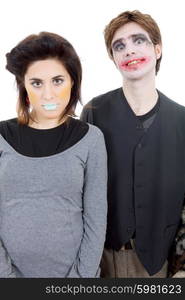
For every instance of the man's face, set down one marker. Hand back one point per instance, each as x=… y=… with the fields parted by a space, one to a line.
x=133 y=52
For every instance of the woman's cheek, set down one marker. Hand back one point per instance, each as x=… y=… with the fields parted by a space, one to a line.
x=33 y=98
x=65 y=94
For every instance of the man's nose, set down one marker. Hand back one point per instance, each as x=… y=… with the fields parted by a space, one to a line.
x=129 y=51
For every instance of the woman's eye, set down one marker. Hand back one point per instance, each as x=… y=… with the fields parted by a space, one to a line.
x=119 y=47
x=58 y=81
x=36 y=84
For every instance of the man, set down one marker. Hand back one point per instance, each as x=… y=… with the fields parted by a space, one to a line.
x=145 y=135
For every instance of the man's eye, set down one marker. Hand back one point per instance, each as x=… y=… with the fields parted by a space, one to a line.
x=36 y=84
x=58 y=81
x=119 y=47
x=139 y=41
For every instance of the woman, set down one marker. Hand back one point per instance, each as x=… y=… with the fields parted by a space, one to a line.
x=177 y=254
x=53 y=169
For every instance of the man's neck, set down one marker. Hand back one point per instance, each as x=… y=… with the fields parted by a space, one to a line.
x=140 y=94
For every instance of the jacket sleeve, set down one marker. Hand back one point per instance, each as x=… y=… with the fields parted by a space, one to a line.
x=87 y=113
x=94 y=212
x=6 y=268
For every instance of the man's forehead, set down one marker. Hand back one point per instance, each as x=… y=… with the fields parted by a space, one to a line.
x=128 y=31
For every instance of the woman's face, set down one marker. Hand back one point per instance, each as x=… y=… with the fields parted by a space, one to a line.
x=48 y=85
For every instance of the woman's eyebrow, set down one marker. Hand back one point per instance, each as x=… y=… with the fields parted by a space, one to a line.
x=34 y=78
x=58 y=76
x=39 y=79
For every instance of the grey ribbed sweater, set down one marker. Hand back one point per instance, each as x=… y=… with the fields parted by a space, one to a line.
x=53 y=210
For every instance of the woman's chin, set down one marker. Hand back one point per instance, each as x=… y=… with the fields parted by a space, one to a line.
x=52 y=114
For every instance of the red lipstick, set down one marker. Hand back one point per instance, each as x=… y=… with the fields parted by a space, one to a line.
x=133 y=64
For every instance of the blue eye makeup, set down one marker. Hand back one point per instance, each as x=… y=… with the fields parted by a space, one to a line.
x=140 y=39
x=118 y=46
x=137 y=39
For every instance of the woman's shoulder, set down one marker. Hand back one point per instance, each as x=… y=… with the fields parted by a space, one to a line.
x=6 y=125
x=92 y=130
x=95 y=136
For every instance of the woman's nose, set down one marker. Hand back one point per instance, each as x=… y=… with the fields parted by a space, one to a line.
x=48 y=93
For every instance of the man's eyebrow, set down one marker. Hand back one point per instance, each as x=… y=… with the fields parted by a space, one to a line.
x=138 y=35
x=132 y=36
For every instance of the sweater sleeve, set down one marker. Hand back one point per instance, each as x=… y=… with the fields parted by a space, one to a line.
x=6 y=268
x=94 y=212
x=177 y=254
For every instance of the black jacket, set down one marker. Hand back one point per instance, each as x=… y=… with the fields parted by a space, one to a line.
x=158 y=176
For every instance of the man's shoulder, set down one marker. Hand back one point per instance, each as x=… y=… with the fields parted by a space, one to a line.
x=172 y=110
x=105 y=97
x=168 y=102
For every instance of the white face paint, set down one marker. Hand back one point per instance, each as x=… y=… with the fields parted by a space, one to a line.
x=134 y=53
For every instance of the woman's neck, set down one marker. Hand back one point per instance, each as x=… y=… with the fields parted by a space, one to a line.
x=45 y=123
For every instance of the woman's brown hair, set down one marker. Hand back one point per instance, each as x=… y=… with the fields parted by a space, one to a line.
x=39 y=47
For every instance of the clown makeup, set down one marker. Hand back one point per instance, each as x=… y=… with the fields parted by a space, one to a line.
x=137 y=39
x=48 y=85
x=133 y=51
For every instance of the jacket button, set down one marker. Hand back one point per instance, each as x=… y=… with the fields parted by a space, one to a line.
x=139 y=126
x=129 y=229
x=139 y=145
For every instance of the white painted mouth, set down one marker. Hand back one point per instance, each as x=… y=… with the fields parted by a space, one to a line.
x=50 y=106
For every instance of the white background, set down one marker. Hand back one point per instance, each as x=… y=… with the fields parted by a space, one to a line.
x=82 y=23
